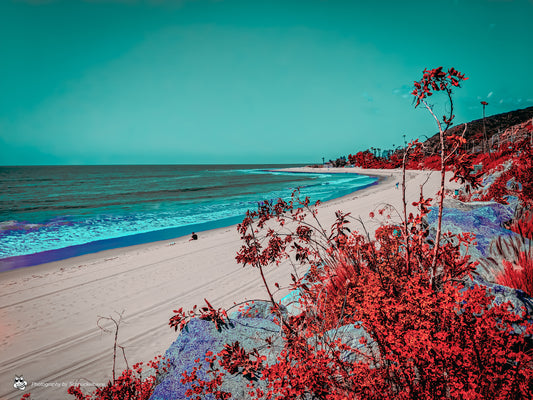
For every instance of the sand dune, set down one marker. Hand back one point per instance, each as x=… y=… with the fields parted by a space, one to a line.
x=49 y=312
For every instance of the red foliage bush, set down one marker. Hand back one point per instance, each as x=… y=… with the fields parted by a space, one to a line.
x=432 y=162
x=517 y=180
x=519 y=275
x=363 y=159
x=130 y=385
x=517 y=255
x=523 y=225
x=209 y=313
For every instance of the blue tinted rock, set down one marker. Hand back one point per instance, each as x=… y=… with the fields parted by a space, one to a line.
x=484 y=219
x=201 y=336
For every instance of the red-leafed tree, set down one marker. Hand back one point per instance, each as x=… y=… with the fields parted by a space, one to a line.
x=437 y=80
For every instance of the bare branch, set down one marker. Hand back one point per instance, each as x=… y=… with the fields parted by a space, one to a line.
x=117 y=323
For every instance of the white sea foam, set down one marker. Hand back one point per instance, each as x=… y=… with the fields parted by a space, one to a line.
x=118 y=208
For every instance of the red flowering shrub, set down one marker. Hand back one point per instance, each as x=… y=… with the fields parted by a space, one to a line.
x=209 y=313
x=130 y=385
x=431 y=162
x=363 y=159
x=518 y=275
x=517 y=254
x=523 y=225
x=517 y=180
x=210 y=385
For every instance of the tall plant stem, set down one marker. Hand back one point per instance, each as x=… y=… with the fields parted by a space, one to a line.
x=441 y=191
x=441 y=203
x=266 y=286
x=406 y=230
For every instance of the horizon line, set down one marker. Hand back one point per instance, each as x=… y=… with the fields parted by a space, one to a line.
x=143 y=164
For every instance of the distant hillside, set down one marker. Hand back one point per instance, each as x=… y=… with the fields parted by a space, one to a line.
x=500 y=129
x=495 y=125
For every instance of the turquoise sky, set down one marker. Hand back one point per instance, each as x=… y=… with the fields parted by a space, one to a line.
x=113 y=82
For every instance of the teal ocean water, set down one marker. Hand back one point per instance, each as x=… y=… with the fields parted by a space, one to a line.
x=55 y=212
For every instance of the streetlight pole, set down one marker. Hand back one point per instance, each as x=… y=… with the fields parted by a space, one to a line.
x=484 y=103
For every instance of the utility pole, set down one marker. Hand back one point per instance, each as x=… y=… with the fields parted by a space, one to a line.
x=484 y=103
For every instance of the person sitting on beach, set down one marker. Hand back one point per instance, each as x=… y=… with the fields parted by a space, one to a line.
x=194 y=236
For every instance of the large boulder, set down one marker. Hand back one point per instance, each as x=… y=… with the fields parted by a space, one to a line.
x=485 y=219
x=249 y=328
x=518 y=300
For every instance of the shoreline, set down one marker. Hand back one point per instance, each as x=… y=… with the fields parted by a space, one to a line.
x=48 y=312
x=113 y=252
x=123 y=242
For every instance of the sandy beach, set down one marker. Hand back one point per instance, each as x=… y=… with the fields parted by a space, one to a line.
x=49 y=312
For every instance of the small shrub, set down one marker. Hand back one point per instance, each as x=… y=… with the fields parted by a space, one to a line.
x=518 y=275
x=517 y=255
x=130 y=385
